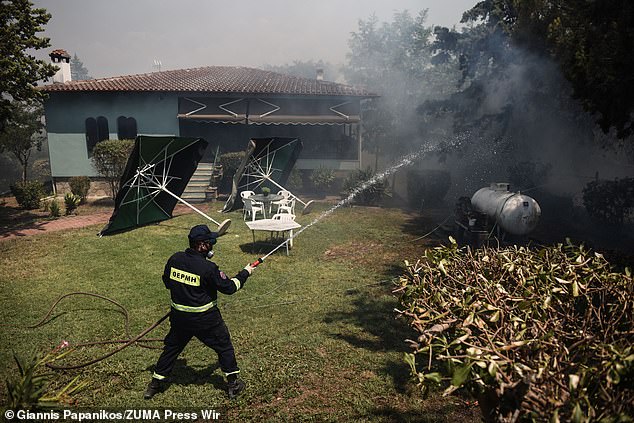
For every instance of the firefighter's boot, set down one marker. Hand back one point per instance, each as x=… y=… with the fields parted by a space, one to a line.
x=234 y=387
x=154 y=387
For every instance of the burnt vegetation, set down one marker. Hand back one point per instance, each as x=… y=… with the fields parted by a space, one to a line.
x=533 y=334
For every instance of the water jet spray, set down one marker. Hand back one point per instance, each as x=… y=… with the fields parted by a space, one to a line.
x=406 y=161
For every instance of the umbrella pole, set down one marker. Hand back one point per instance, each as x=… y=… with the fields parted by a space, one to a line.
x=222 y=226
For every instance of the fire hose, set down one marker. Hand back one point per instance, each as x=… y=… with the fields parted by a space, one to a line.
x=126 y=342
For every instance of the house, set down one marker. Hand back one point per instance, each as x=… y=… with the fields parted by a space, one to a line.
x=225 y=105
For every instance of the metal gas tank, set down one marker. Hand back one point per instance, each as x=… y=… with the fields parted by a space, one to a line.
x=516 y=213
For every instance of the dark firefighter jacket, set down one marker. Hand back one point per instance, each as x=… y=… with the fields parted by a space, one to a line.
x=194 y=283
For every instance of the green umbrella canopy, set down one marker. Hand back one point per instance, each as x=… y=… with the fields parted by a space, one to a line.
x=156 y=174
x=267 y=163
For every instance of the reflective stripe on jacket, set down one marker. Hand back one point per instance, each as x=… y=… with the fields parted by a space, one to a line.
x=194 y=281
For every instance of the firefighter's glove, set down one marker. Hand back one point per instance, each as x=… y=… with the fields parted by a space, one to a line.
x=249 y=269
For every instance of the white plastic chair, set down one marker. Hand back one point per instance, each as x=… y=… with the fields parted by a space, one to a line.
x=285 y=217
x=285 y=196
x=288 y=207
x=252 y=207
x=246 y=194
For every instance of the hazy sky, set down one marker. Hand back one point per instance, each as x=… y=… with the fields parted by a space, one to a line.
x=121 y=37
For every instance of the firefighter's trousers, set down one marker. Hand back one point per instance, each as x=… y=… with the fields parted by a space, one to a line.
x=215 y=335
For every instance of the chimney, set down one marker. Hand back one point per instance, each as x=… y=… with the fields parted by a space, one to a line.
x=61 y=59
x=320 y=74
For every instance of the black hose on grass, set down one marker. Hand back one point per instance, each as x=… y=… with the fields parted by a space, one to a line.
x=50 y=311
x=127 y=342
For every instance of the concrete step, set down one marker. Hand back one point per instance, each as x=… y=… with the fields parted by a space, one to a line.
x=198 y=183
x=193 y=198
x=194 y=193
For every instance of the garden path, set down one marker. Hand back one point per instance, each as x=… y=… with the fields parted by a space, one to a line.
x=69 y=222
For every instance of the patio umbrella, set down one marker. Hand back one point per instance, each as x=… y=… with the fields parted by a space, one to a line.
x=267 y=163
x=155 y=177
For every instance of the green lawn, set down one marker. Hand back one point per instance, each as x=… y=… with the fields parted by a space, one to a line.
x=315 y=333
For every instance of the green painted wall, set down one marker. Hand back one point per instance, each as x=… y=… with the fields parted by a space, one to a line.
x=66 y=115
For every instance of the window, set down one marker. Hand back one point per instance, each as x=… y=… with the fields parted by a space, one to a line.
x=102 y=128
x=334 y=142
x=126 y=128
x=96 y=131
x=92 y=137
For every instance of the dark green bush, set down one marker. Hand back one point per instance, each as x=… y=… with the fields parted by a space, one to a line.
x=295 y=182
x=28 y=194
x=535 y=335
x=71 y=201
x=53 y=208
x=322 y=179
x=610 y=201
x=80 y=185
x=230 y=163
x=110 y=158
x=366 y=193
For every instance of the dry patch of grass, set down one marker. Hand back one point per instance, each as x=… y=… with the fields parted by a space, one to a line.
x=374 y=254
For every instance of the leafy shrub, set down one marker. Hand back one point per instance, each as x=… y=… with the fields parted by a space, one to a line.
x=71 y=201
x=366 y=193
x=609 y=201
x=427 y=186
x=535 y=335
x=295 y=181
x=110 y=158
x=28 y=194
x=230 y=163
x=25 y=390
x=53 y=208
x=80 y=185
x=322 y=178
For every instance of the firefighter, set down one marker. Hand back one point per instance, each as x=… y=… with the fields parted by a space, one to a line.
x=194 y=282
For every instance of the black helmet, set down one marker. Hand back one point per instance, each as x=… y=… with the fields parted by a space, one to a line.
x=202 y=233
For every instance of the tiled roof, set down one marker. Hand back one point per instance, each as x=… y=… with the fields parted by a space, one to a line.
x=214 y=80
x=60 y=52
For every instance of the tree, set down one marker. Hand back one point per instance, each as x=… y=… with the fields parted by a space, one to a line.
x=110 y=158
x=78 y=71
x=591 y=40
x=394 y=60
x=19 y=71
x=23 y=134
